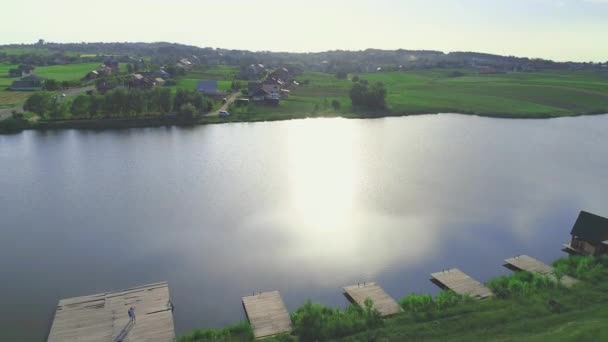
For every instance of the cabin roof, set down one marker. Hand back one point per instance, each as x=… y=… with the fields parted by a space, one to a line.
x=590 y=227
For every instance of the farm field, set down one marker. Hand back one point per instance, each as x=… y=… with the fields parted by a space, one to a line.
x=224 y=74
x=548 y=94
x=66 y=72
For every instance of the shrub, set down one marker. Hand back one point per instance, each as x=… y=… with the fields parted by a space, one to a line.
x=520 y=284
x=314 y=322
x=335 y=104
x=582 y=267
x=238 y=332
x=12 y=125
x=426 y=303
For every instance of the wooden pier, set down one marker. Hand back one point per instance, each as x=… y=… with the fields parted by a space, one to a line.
x=461 y=283
x=267 y=314
x=384 y=303
x=529 y=264
x=104 y=316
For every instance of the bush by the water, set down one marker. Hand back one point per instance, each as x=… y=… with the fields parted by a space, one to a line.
x=520 y=284
x=425 y=302
x=315 y=322
x=238 y=332
x=13 y=125
x=582 y=267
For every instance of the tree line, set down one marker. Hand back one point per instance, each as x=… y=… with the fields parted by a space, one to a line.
x=120 y=103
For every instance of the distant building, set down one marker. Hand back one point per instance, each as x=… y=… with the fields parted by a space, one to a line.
x=31 y=82
x=208 y=87
x=273 y=86
x=112 y=64
x=14 y=73
x=140 y=81
x=21 y=71
x=589 y=235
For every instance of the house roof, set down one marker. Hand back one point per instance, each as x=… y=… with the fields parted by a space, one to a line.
x=206 y=85
x=32 y=78
x=591 y=227
x=254 y=86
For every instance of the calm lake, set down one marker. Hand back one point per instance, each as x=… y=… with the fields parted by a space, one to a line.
x=303 y=206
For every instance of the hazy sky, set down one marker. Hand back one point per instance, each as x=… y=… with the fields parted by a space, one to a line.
x=556 y=29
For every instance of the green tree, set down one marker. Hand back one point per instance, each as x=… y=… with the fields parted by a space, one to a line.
x=51 y=85
x=341 y=75
x=187 y=111
x=58 y=108
x=164 y=100
x=355 y=79
x=38 y=103
x=80 y=105
x=335 y=104
x=372 y=97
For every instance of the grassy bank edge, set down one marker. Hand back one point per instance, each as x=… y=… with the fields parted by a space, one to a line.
x=11 y=126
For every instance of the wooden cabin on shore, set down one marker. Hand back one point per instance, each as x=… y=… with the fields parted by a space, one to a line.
x=589 y=235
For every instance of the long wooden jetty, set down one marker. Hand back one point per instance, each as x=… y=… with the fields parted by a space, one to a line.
x=267 y=314
x=104 y=316
x=459 y=282
x=529 y=264
x=384 y=303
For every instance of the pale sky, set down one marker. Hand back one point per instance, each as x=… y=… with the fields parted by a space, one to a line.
x=555 y=29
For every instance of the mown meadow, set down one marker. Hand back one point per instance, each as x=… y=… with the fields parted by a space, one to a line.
x=526 y=307
x=517 y=95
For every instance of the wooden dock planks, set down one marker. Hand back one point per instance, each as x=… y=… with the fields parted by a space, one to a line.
x=459 y=282
x=267 y=314
x=104 y=317
x=384 y=303
x=529 y=264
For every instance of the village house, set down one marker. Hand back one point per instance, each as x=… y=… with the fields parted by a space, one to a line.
x=21 y=71
x=258 y=93
x=589 y=235
x=28 y=83
x=184 y=63
x=273 y=86
x=145 y=81
x=113 y=65
x=208 y=87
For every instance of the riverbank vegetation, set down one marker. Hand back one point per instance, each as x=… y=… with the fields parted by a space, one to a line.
x=527 y=307
x=366 y=95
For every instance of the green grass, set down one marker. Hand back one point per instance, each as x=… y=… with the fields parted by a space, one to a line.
x=548 y=94
x=514 y=94
x=529 y=308
x=66 y=72
x=224 y=74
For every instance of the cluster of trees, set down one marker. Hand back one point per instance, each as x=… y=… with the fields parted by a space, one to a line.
x=373 y=96
x=120 y=103
x=53 y=85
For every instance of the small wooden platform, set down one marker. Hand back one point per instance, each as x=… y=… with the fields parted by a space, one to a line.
x=104 y=316
x=267 y=314
x=461 y=283
x=384 y=303
x=529 y=264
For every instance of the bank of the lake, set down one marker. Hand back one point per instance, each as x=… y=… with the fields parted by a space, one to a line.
x=12 y=126
x=526 y=307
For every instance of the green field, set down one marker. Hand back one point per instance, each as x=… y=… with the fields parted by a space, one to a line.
x=224 y=74
x=66 y=72
x=548 y=94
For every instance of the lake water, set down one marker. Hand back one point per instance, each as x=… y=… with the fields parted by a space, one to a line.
x=301 y=206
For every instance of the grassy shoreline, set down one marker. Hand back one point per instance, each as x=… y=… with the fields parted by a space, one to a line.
x=526 y=307
x=159 y=121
